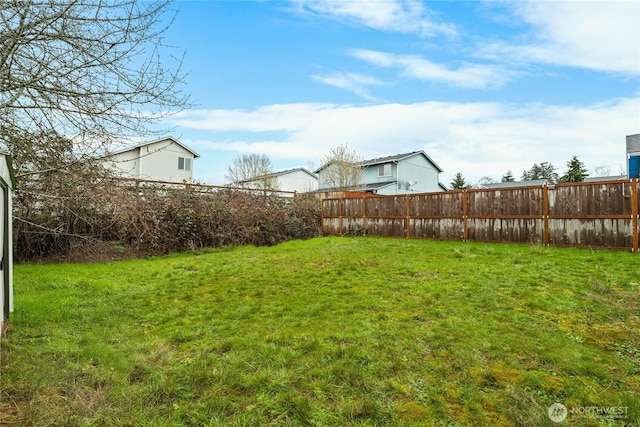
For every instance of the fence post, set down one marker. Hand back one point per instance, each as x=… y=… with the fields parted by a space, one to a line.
x=465 y=233
x=322 y=201
x=364 y=216
x=340 y=215
x=545 y=214
x=634 y=212
x=407 y=218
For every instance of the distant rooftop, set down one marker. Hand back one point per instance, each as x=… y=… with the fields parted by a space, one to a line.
x=538 y=182
x=605 y=178
x=533 y=182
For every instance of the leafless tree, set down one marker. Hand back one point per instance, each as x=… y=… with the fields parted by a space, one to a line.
x=602 y=170
x=94 y=71
x=252 y=171
x=484 y=180
x=342 y=169
x=75 y=77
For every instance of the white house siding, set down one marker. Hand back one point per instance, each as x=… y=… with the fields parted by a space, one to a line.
x=298 y=181
x=159 y=161
x=371 y=174
x=414 y=174
x=6 y=239
x=417 y=168
x=321 y=173
x=409 y=173
x=156 y=161
x=126 y=162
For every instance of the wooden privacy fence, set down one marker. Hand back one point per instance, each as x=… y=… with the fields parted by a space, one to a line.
x=589 y=214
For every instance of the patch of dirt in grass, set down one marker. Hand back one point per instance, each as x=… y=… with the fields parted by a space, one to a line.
x=87 y=400
x=9 y=413
x=51 y=406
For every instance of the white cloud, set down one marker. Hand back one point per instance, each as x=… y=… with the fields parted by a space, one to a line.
x=352 y=82
x=598 y=35
x=277 y=117
x=413 y=66
x=402 y=16
x=477 y=139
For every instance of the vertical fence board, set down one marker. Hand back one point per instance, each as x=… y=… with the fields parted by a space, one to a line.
x=445 y=204
x=592 y=214
x=526 y=201
x=437 y=228
x=331 y=226
x=634 y=213
x=385 y=206
x=516 y=230
x=352 y=208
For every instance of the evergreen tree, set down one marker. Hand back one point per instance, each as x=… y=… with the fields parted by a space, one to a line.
x=508 y=177
x=544 y=170
x=576 y=171
x=459 y=182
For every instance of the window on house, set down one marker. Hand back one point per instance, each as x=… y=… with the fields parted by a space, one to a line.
x=384 y=170
x=184 y=163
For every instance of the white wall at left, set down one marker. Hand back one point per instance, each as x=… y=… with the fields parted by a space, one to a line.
x=7 y=183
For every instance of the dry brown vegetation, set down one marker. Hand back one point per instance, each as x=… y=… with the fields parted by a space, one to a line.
x=108 y=219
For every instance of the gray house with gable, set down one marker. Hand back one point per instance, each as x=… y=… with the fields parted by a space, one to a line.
x=413 y=172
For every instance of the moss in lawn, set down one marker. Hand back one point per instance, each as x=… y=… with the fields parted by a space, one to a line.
x=330 y=331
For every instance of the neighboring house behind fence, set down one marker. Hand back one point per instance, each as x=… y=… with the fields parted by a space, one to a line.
x=298 y=180
x=165 y=159
x=413 y=172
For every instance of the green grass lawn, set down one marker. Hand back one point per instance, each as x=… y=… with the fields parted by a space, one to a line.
x=328 y=332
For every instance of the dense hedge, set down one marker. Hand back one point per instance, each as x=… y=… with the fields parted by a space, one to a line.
x=102 y=221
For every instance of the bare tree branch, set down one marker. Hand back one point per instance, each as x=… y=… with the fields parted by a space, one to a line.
x=96 y=69
x=252 y=170
x=343 y=169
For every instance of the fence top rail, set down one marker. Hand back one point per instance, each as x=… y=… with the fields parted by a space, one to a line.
x=475 y=190
x=586 y=183
x=518 y=187
x=389 y=196
x=206 y=186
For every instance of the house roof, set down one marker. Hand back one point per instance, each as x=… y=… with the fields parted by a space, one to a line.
x=533 y=182
x=292 y=170
x=155 y=141
x=378 y=185
x=605 y=178
x=9 y=163
x=281 y=173
x=395 y=158
x=538 y=182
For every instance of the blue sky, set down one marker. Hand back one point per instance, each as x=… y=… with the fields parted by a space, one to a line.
x=482 y=87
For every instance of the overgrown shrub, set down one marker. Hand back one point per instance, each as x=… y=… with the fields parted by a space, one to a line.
x=106 y=219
